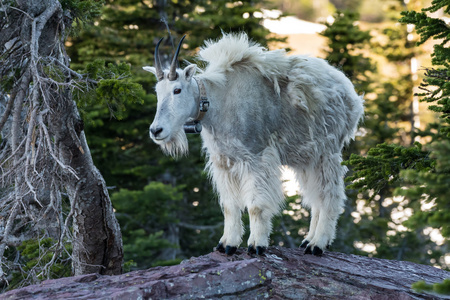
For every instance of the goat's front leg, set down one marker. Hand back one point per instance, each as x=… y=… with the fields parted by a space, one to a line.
x=228 y=189
x=260 y=228
x=233 y=229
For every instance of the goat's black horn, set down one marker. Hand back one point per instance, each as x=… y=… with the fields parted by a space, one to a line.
x=158 y=67
x=173 y=67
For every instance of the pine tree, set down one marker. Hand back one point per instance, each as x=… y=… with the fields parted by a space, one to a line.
x=429 y=184
x=346 y=42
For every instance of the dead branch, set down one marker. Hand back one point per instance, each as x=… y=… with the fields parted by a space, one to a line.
x=7 y=111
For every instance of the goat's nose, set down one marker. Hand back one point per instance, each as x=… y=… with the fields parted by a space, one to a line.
x=156 y=131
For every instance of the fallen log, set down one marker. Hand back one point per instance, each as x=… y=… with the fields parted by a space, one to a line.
x=282 y=273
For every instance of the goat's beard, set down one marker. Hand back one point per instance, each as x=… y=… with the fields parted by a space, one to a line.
x=177 y=146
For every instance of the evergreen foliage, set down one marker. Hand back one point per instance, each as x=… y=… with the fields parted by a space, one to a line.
x=225 y=16
x=143 y=235
x=345 y=44
x=82 y=12
x=109 y=86
x=431 y=187
x=382 y=165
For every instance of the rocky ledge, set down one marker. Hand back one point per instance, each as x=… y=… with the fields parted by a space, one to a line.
x=281 y=273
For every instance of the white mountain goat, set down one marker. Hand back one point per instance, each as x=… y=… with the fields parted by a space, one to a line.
x=261 y=110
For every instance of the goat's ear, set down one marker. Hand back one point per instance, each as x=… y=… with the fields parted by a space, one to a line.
x=150 y=69
x=190 y=71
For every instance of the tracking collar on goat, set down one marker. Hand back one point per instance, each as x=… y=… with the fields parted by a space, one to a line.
x=194 y=126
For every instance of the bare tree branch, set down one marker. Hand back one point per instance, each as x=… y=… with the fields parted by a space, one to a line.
x=7 y=111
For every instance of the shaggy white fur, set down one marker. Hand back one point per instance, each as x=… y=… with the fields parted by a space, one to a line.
x=267 y=110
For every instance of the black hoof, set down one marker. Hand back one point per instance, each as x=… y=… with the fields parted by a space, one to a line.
x=317 y=251
x=229 y=250
x=220 y=248
x=308 y=250
x=304 y=244
x=260 y=250
x=314 y=251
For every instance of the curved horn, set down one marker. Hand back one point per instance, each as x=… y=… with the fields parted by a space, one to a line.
x=158 y=67
x=173 y=67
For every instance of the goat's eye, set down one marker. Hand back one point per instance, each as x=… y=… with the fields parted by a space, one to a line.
x=176 y=91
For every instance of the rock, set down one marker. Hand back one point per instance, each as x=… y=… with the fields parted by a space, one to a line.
x=281 y=273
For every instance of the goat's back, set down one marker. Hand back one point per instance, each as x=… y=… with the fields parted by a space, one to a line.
x=321 y=109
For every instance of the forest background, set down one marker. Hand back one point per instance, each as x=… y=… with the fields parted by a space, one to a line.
x=399 y=202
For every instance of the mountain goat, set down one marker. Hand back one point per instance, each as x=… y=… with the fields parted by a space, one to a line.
x=261 y=110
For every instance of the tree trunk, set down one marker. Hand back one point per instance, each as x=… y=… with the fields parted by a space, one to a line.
x=172 y=235
x=44 y=151
x=97 y=244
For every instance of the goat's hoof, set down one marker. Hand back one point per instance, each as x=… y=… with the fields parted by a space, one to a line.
x=230 y=250
x=260 y=250
x=314 y=251
x=317 y=251
x=308 y=250
x=220 y=248
x=304 y=244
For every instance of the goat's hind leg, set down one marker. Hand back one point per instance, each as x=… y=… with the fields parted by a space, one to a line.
x=325 y=195
x=312 y=226
x=310 y=199
x=263 y=202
